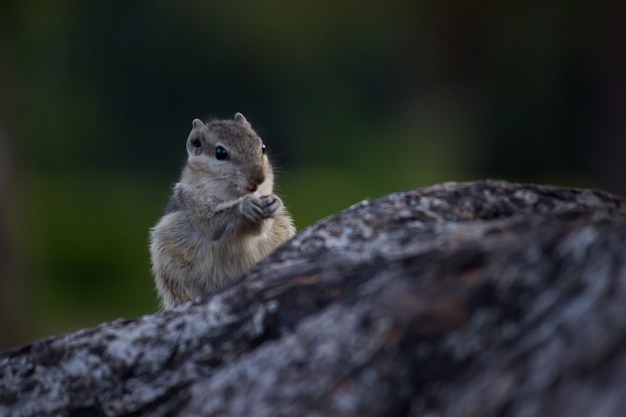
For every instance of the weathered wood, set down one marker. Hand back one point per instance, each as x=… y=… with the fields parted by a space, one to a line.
x=474 y=299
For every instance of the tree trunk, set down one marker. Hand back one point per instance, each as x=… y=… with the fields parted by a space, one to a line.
x=474 y=299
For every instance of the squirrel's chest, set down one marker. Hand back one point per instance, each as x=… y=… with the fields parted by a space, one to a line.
x=221 y=259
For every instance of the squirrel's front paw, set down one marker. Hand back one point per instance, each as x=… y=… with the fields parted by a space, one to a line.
x=251 y=208
x=271 y=205
x=255 y=209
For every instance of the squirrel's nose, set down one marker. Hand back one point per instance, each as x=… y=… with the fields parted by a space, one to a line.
x=254 y=181
x=256 y=178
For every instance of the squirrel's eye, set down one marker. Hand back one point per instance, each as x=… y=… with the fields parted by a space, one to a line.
x=263 y=147
x=221 y=153
x=196 y=143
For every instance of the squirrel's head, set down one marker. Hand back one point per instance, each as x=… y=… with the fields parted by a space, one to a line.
x=228 y=154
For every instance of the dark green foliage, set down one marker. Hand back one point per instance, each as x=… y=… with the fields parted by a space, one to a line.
x=352 y=100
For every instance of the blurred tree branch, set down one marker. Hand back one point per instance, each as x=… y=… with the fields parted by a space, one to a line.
x=460 y=300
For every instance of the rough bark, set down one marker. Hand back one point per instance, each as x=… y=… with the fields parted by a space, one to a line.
x=475 y=299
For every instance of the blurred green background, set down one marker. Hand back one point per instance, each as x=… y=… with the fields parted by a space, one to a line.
x=353 y=99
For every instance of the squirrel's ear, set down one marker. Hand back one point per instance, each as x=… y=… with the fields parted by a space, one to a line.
x=195 y=144
x=241 y=119
x=197 y=123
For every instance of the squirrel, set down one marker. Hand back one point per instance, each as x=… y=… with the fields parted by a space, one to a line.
x=223 y=215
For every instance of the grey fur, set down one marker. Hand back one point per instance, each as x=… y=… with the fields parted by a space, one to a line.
x=223 y=216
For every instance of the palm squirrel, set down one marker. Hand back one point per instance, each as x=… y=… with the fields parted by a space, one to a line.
x=223 y=216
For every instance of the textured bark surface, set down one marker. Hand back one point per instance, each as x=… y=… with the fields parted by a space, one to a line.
x=474 y=299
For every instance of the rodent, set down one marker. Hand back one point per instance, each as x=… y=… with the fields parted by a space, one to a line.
x=223 y=215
